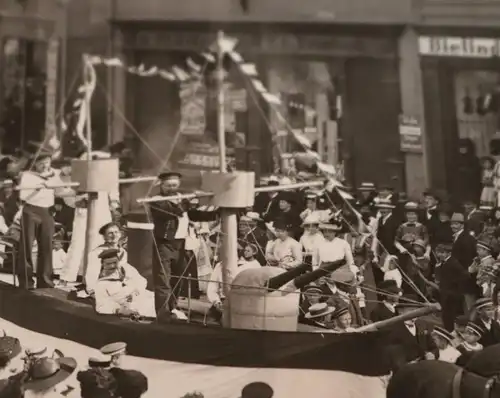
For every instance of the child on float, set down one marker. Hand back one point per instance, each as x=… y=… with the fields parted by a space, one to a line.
x=470 y=345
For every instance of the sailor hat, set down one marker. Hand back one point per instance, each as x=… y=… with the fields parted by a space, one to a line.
x=114 y=348
x=100 y=361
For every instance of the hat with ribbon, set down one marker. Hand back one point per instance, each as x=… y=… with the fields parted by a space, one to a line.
x=442 y=332
x=250 y=217
x=411 y=207
x=384 y=204
x=332 y=225
x=367 y=186
x=48 y=372
x=318 y=310
x=114 y=348
x=311 y=219
x=483 y=303
x=10 y=347
x=475 y=328
x=339 y=312
x=458 y=218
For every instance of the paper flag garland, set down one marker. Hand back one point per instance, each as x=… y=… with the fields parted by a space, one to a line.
x=250 y=71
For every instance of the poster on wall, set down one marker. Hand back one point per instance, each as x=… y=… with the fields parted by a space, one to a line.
x=410 y=134
x=193 y=96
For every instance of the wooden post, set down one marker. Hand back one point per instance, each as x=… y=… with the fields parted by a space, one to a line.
x=229 y=222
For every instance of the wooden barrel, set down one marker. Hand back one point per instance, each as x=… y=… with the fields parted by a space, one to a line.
x=140 y=244
x=250 y=306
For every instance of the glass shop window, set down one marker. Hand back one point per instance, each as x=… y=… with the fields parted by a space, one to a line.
x=23 y=80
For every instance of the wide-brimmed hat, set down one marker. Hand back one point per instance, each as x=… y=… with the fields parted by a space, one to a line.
x=420 y=243
x=116 y=348
x=333 y=225
x=10 y=347
x=311 y=219
x=250 y=217
x=48 y=372
x=318 y=310
x=384 y=204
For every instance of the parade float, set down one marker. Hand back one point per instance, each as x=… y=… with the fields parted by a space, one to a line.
x=260 y=340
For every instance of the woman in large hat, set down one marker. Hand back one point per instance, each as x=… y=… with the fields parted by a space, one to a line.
x=285 y=252
x=312 y=238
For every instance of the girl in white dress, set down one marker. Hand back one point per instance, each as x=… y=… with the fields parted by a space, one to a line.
x=104 y=203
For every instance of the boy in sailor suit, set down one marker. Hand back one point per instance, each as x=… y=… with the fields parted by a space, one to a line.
x=121 y=290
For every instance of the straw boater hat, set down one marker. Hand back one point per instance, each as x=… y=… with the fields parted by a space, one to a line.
x=411 y=207
x=113 y=349
x=367 y=186
x=442 y=332
x=250 y=217
x=311 y=219
x=486 y=243
x=333 y=225
x=384 y=204
x=100 y=361
x=319 y=310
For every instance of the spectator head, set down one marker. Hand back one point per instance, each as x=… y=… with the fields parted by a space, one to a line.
x=130 y=383
x=97 y=383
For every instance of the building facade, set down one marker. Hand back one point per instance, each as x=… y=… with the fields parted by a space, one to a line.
x=330 y=64
x=29 y=58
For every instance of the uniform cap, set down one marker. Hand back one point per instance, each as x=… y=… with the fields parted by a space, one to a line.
x=100 y=361
x=105 y=227
x=339 y=312
x=170 y=175
x=114 y=348
x=483 y=303
x=442 y=332
x=475 y=328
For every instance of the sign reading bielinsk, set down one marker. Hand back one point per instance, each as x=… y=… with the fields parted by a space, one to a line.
x=466 y=47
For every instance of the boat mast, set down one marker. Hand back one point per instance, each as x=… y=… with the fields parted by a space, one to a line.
x=88 y=71
x=229 y=223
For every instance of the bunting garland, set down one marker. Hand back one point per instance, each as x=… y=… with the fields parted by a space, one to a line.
x=273 y=100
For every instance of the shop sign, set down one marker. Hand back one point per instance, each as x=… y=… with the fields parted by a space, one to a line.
x=193 y=108
x=466 y=47
x=410 y=134
x=51 y=88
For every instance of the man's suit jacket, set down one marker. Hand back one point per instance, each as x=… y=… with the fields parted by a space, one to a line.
x=452 y=278
x=432 y=224
x=381 y=313
x=464 y=249
x=386 y=234
x=492 y=336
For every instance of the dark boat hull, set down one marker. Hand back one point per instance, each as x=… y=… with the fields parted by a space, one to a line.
x=50 y=312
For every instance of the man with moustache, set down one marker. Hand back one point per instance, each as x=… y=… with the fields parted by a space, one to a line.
x=171 y=221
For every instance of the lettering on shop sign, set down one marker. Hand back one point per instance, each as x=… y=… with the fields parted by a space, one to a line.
x=468 y=47
x=265 y=42
x=410 y=134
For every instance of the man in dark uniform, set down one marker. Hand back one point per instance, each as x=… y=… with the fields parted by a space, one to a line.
x=171 y=220
x=485 y=317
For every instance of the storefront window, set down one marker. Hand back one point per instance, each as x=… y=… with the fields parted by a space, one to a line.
x=23 y=93
x=477 y=107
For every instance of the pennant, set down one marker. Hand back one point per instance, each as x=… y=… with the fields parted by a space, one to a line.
x=141 y=69
x=208 y=56
x=153 y=71
x=193 y=65
x=271 y=98
x=226 y=45
x=301 y=138
x=249 y=69
x=95 y=60
x=257 y=84
x=179 y=73
x=166 y=75
x=327 y=168
x=236 y=57
x=113 y=62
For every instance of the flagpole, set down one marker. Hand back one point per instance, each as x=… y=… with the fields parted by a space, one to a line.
x=91 y=196
x=229 y=222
